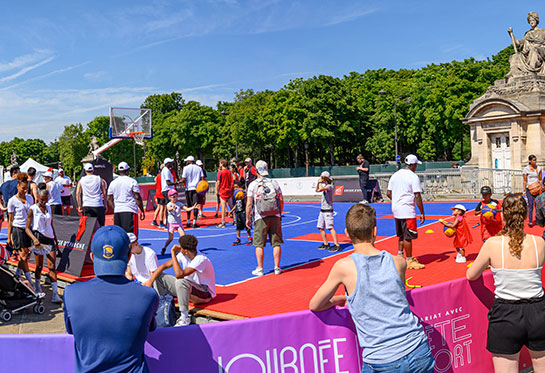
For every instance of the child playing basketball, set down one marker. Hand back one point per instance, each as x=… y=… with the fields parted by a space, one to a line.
x=325 y=219
x=462 y=237
x=174 y=217
x=489 y=227
x=240 y=217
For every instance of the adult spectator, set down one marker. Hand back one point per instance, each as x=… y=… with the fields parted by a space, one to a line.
x=201 y=198
x=66 y=183
x=374 y=289
x=143 y=261
x=109 y=315
x=124 y=198
x=250 y=173
x=224 y=189
x=404 y=190
x=516 y=319
x=160 y=211
x=191 y=175
x=54 y=189
x=193 y=278
x=32 y=186
x=90 y=194
x=363 y=173
x=531 y=175
x=239 y=169
x=266 y=196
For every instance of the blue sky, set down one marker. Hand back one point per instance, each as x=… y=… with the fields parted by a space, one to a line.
x=64 y=62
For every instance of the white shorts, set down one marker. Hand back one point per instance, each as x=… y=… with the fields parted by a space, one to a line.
x=325 y=220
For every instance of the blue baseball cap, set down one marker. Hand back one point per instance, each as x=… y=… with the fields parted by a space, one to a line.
x=110 y=248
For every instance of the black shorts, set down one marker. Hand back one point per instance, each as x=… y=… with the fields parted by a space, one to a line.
x=201 y=198
x=56 y=209
x=406 y=229
x=66 y=200
x=161 y=201
x=128 y=221
x=20 y=239
x=513 y=324
x=96 y=212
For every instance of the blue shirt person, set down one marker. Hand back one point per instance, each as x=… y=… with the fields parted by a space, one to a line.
x=109 y=315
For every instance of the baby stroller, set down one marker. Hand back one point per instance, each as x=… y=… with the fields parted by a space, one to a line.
x=15 y=295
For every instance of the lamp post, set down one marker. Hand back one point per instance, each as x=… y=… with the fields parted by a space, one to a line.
x=306 y=156
x=382 y=92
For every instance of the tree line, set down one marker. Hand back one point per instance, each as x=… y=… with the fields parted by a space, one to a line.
x=327 y=119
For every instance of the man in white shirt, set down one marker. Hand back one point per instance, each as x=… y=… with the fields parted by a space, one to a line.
x=167 y=180
x=124 y=198
x=267 y=215
x=90 y=194
x=404 y=190
x=66 y=183
x=194 y=277
x=54 y=190
x=143 y=261
x=191 y=175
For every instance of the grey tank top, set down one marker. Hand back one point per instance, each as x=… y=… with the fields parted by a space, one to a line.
x=387 y=328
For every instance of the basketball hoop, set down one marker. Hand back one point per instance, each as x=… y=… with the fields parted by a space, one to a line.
x=138 y=137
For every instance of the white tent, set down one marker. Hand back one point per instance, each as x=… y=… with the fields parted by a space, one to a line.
x=40 y=169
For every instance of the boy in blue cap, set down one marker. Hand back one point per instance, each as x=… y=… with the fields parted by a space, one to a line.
x=109 y=315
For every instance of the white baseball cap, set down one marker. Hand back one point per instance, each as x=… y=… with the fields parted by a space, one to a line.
x=262 y=168
x=199 y=162
x=325 y=174
x=47 y=174
x=132 y=237
x=189 y=158
x=168 y=160
x=247 y=160
x=88 y=167
x=459 y=207
x=411 y=159
x=123 y=166
x=61 y=170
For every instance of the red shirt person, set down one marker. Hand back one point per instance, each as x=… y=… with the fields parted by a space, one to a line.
x=489 y=227
x=224 y=189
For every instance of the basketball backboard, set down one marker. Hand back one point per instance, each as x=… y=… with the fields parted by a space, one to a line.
x=125 y=123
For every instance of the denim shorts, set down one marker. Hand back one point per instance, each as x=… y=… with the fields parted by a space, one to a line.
x=420 y=360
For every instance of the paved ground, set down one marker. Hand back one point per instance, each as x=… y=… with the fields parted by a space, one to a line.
x=52 y=321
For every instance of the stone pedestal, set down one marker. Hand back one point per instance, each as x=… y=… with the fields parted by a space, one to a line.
x=507 y=123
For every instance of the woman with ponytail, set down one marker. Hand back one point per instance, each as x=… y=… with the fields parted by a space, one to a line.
x=517 y=317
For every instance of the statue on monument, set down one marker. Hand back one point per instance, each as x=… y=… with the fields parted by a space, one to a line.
x=529 y=57
x=14 y=159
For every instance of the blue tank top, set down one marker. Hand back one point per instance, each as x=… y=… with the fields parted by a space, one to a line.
x=387 y=328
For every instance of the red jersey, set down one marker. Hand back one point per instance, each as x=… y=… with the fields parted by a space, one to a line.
x=158 y=188
x=463 y=236
x=490 y=227
x=225 y=184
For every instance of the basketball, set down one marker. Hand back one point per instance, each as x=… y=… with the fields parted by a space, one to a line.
x=449 y=232
x=489 y=212
x=239 y=194
x=202 y=187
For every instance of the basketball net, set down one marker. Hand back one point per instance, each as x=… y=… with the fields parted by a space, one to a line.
x=138 y=137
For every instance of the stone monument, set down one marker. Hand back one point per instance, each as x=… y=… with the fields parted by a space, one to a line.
x=507 y=123
x=93 y=145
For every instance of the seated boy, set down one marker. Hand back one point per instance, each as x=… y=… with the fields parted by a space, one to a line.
x=389 y=333
x=143 y=261
x=194 y=277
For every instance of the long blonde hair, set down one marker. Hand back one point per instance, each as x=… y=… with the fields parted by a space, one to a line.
x=515 y=211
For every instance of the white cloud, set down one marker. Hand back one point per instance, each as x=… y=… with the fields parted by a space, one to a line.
x=25 y=60
x=96 y=75
x=25 y=70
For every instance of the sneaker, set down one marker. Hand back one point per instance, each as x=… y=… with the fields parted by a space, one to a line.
x=460 y=258
x=162 y=226
x=154 y=223
x=220 y=225
x=237 y=242
x=413 y=263
x=277 y=270
x=215 y=216
x=258 y=272
x=400 y=253
x=195 y=225
x=324 y=247
x=163 y=250
x=250 y=241
x=56 y=298
x=39 y=293
x=183 y=320
x=188 y=225
x=335 y=249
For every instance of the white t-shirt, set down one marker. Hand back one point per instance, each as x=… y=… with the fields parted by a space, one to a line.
x=253 y=192
x=404 y=184
x=192 y=174
x=143 y=264
x=91 y=191
x=123 y=189
x=20 y=210
x=42 y=222
x=166 y=175
x=174 y=212
x=54 y=193
x=533 y=176
x=65 y=181
x=204 y=271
